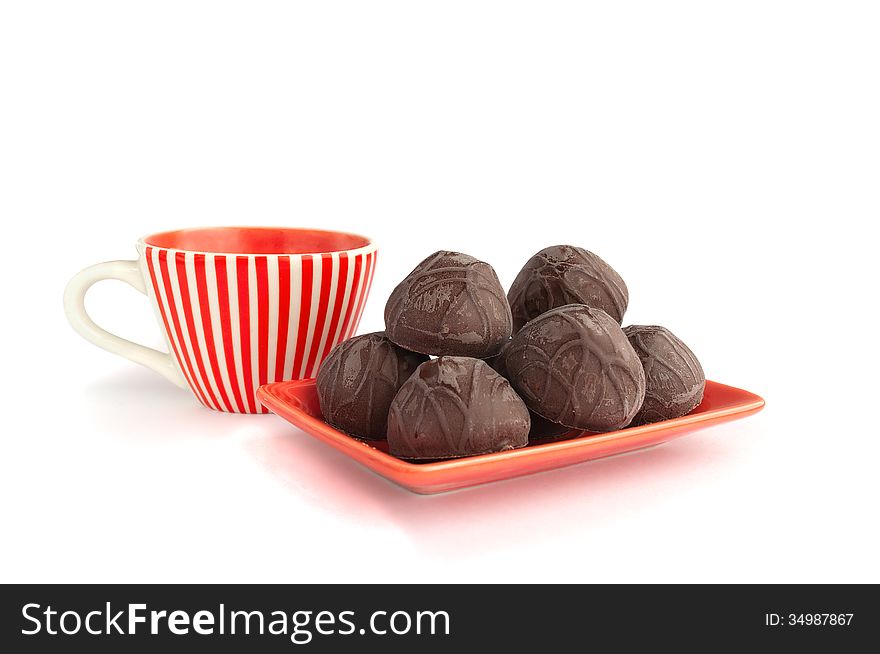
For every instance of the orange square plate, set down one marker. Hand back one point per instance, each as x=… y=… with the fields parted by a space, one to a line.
x=297 y=402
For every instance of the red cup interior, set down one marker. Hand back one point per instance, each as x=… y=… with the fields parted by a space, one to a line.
x=257 y=240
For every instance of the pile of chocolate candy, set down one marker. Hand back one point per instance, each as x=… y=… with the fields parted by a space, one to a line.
x=549 y=358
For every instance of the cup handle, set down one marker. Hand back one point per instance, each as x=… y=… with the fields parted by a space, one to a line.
x=75 y=310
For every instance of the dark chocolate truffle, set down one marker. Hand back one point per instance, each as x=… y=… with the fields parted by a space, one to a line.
x=453 y=407
x=574 y=366
x=451 y=304
x=564 y=274
x=358 y=380
x=674 y=378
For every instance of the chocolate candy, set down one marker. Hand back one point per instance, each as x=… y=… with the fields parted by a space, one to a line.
x=564 y=274
x=451 y=304
x=454 y=407
x=674 y=378
x=574 y=366
x=358 y=380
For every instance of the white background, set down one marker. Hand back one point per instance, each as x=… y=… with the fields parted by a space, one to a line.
x=724 y=157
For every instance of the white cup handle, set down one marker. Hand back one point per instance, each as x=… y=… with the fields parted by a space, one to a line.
x=75 y=309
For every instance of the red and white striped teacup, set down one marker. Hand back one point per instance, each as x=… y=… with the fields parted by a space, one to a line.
x=239 y=306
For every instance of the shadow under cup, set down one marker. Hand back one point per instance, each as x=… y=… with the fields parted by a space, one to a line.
x=243 y=307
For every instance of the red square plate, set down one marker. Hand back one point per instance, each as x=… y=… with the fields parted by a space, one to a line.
x=297 y=402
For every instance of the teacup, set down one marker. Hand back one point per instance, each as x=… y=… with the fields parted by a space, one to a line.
x=239 y=306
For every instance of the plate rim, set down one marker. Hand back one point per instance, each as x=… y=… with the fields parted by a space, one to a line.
x=268 y=395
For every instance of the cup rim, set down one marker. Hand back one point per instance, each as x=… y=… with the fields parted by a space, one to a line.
x=369 y=246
